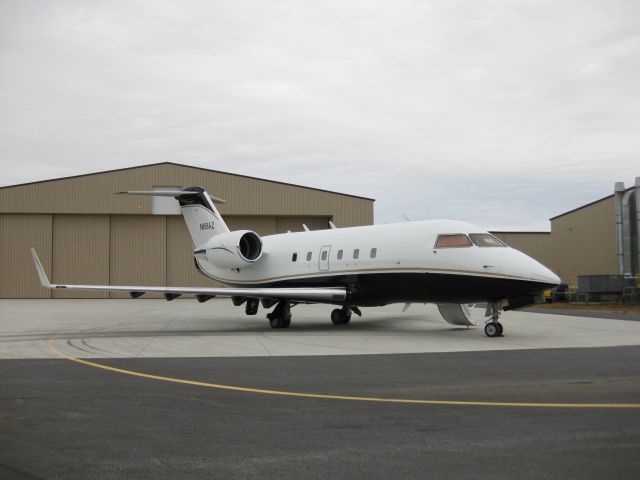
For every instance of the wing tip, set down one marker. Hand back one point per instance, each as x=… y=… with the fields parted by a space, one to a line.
x=42 y=275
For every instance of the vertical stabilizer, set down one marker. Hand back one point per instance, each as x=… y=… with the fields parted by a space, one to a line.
x=198 y=210
x=201 y=216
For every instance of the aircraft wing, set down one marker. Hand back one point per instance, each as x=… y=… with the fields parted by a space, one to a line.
x=331 y=295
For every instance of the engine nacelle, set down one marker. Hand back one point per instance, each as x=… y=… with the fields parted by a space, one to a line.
x=238 y=249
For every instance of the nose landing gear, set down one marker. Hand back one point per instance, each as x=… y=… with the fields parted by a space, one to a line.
x=493 y=327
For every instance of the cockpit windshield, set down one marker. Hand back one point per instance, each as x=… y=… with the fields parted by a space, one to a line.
x=453 y=240
x=485 y=240
x=458 y=240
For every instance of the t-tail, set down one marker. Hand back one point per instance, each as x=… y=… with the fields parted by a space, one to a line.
x=198 y=209
x=213 y=242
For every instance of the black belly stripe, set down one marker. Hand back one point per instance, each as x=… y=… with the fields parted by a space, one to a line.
x=375 y=289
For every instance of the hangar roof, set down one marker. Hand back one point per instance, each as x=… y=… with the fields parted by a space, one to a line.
x=94 y=194
x=583 y=206
x=187 y=166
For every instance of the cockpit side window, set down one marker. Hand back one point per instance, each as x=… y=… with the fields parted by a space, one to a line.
x=485 y=240
x=452 y=240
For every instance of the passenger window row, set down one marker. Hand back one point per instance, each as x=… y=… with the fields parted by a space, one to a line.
x=356 y=254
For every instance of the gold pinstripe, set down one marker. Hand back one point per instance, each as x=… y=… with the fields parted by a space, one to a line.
x=374 y=270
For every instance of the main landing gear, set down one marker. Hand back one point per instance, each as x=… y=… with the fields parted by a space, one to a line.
x=342 y=316
x=493 y=327
x=281 y=315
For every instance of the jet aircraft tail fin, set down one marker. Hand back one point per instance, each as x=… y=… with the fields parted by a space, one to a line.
x=198 y=210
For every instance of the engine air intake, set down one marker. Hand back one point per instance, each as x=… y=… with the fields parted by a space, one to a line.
x=250 y=246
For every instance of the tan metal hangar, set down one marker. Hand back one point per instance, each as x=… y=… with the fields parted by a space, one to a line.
x=86 y=234
x=599 y=238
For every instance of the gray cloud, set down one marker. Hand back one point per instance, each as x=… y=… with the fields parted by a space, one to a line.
x=500 y=113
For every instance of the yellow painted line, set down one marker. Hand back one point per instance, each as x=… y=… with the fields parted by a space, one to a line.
x=337 y=397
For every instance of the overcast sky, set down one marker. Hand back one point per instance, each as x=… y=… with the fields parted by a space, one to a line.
x=502 y=113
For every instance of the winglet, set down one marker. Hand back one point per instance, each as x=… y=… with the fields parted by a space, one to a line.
x=44 y=280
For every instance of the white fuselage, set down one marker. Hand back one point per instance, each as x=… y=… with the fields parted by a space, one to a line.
x=439 y=261
x=402 y=252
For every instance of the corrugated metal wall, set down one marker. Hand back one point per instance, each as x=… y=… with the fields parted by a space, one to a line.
x=80 y=253
x=111 y=249
x=584 y=242
x=86 y=235
x=138 y=251
x=18 y=233
x=94 y=194
x=181 y=268
x=535 y=244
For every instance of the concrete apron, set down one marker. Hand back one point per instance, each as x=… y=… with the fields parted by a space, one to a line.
x=148 y=328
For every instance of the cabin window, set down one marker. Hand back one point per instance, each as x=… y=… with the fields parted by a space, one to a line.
x=339 y=254
x=453 y=240
x=485 y=240
x=294 y=257
x=324 y=255
x=309 y=255
x=374 y=252
x=356 y=253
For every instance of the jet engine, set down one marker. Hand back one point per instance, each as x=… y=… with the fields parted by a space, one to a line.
x=237 y=249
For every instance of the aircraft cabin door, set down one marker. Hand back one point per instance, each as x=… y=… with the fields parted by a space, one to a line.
x=323 y=258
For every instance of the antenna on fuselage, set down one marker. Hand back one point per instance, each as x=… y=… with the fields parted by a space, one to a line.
x=332 y=225
x=306 y=229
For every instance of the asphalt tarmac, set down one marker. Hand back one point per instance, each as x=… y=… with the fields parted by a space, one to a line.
x=64 y=420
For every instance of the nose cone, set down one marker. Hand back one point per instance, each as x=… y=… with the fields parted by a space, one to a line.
x=521 y=265
x=536 y=271
x=545 y=275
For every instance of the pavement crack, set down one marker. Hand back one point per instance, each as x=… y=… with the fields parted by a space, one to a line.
x=259 y=338
x=162 y=332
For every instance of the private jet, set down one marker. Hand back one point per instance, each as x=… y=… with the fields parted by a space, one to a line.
x=449 y=263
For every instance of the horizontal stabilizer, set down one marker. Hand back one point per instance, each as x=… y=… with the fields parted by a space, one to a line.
x=331 y=295
x=170 y=193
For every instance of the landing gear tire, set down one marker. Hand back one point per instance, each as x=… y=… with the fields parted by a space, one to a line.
x=279 y=322
x=492 y=330
x=338 y=317
x=281 y=315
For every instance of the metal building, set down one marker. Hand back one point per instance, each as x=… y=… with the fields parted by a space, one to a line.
x=535 y=244
x=599 y=238
x=584 y=241
x=85 y=234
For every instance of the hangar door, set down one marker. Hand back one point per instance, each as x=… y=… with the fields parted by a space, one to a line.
x=80 y=245
x=269 y=225
x=112 y=249
x=18 y=233
x=138 y=253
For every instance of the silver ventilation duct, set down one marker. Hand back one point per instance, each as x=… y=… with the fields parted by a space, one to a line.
x=627 y=205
